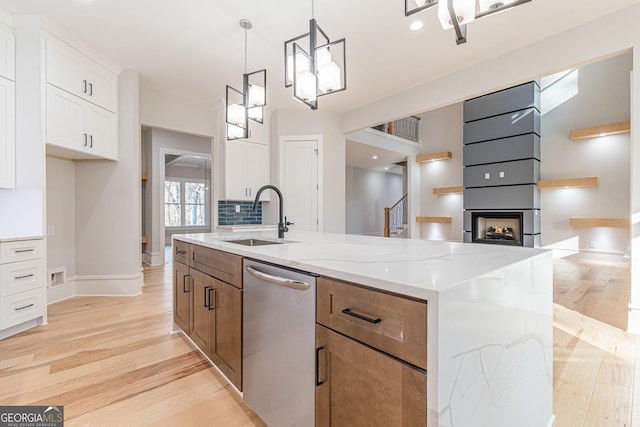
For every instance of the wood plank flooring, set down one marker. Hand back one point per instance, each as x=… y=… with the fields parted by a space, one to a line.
x=114 y=362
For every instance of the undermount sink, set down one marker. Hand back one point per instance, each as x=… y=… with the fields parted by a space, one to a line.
x=255 y=242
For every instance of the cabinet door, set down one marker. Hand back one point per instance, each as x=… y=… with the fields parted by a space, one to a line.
x=182 y=296
x=7 y=54
x=102 y=127
x=203 y=310
x=65 y=68
x=257 y=169
x=359 y=386
x=7 y=134
x=235 y=171
x=103 y=86
x=227 y=344
x=64 y=120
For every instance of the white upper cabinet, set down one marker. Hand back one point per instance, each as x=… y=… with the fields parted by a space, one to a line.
x=247 y=169
x=82 y=98
x=7 y=109
x=7 y=54
x=72 y=71
x=74 y=124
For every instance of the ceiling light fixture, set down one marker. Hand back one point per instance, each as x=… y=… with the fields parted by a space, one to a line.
x=457 y=14
x=248 y=103
x=318 y=70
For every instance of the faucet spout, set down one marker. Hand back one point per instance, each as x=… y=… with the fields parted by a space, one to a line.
x=282 y=226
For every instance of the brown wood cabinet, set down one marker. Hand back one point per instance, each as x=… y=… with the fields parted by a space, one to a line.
x=207 y=307
x=182 y=298
x=370 y=357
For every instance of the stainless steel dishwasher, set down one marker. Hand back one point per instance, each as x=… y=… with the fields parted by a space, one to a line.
x=279 y=316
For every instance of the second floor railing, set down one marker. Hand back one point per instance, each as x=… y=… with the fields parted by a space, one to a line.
x=407 y=128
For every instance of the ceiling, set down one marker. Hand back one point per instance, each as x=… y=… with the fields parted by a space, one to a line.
x=193 y=48
x=362 y=156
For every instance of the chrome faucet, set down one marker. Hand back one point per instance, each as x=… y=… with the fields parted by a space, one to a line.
x=282 y=224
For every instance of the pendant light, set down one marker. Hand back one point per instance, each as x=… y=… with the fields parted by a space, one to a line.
x=457 y=14
x=314 y=65
x=248 y=104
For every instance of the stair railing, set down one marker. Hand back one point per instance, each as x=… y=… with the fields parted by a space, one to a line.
x=396 y=216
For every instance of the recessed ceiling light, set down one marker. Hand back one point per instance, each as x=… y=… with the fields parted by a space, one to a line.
x=374 y=157
x=386 y=168
x=416 y=25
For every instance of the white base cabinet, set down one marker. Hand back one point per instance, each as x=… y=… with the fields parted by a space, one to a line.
x=23 y=282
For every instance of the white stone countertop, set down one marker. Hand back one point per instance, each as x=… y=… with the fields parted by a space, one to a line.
x=19 y=239
x=415 y=268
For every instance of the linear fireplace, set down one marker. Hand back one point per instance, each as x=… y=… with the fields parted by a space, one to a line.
x=503 y=228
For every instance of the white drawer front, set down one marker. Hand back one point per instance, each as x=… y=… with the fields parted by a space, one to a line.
x=23 y=250
x=22 y=307
x=22 y=276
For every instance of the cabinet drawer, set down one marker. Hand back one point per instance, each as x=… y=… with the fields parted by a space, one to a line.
x=22 y=307
x=507 y=173
x=22 y=250
x=22 y=276
x=393 y=324
x=181 y=252
x=221 y=265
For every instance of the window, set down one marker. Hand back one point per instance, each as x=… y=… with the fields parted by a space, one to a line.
x=185 y=204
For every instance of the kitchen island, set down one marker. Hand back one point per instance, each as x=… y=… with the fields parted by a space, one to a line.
x=489 y=319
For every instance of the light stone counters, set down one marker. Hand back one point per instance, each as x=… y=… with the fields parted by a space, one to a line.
x=489 y=314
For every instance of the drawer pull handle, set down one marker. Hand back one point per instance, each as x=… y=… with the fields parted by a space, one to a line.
x=184 y=283
x=212 y=298
x=23 y=277
x=21 y=251
x=348 y=312
x=26 y=306
x=181 y=252
x=318 y=381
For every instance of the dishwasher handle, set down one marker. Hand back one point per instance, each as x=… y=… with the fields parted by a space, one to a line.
x=280 y=281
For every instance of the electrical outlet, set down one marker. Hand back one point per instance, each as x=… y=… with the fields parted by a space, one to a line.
x=51 y=230
x=501 y=174
x=592 y=245
x=237 y=208
x=487 y=176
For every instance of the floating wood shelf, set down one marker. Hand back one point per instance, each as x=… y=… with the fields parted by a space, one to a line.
x=602 y=130
x=591 y=181
x=434 y=219
x=144 y=176
x=144 y=239
x=599 y=222
x=444 y=155
x=448 y=190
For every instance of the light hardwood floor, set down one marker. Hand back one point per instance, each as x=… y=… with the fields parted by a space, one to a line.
x=113 y=361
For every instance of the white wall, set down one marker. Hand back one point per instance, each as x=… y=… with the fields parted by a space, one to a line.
x=441 y=130
x=598 y=93
x=108 y=259
x=61 y=205
x=368 y=192
x=167 y=111
x=326 y=124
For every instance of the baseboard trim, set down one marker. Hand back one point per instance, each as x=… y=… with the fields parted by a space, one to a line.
x=61 y=292
x=152 y=258
x=109 y=285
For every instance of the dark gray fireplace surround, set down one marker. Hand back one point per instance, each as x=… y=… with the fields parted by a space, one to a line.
x=502 y=160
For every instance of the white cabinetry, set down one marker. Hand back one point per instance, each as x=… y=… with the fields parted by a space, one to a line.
x=23 y=282
x=247 y=169
x=81 y=105
x=7 y=110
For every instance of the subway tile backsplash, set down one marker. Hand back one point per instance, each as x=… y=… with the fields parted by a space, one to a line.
x=227 y=214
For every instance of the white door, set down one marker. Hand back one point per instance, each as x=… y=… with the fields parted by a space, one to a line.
x=299 y=183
